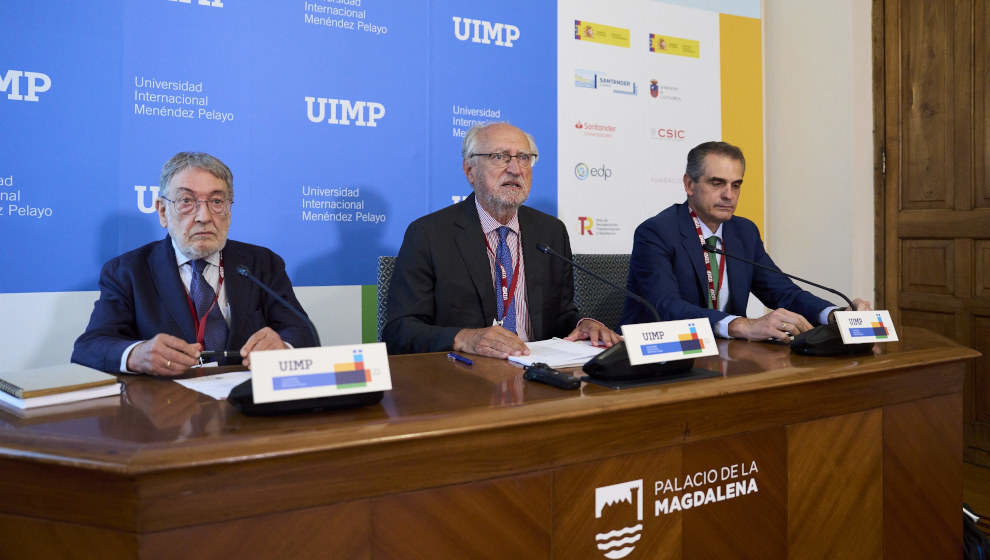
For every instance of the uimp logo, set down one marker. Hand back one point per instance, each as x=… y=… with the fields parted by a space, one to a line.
x=586 y=224
x=485 y=32
x=144 y=205
x=34 y=83
x=582 y=172
x=623 y=500
x=210 y=3
x=361 y=113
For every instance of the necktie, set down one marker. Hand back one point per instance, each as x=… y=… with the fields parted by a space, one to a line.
x=504 y=260
x=202 y=295
x=713 y=259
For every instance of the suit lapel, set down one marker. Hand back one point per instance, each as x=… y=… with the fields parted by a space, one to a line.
x=471 y=244
x=165 y=275
x=692 y=246
x=738 y=287
x=237 y=289
x=537 y=271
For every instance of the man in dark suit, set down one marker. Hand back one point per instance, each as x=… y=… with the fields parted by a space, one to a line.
x=670 y=268
x=469 y=277
x=162 y=304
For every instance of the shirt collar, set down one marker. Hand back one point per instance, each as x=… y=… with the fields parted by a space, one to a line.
x=181 y=259
x=490 y=224
x=708 y=233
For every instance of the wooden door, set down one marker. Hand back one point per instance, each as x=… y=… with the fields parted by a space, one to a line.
x=932 y=89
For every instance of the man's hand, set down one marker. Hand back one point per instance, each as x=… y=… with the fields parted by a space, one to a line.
x=263 y=339
x=779 y=324
x=493 y=341
x=862 y=304
x=599 y=334
x=163 y=354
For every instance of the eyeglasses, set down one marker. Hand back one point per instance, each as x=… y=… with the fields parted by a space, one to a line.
x=502 y=159
x=186 y=205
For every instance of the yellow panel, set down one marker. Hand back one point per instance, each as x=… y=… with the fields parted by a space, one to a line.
x=742 y=104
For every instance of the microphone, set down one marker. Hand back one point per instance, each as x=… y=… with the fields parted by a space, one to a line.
x=545 y=249
x=243 y=271
x=612 y=364
x=823 y=340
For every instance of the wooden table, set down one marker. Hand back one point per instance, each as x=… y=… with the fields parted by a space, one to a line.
x=779 y=456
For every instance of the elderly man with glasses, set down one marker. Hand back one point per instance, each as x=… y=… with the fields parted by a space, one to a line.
x=470 y=278
x=165 y=305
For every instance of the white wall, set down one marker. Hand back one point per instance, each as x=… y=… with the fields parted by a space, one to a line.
x=819 y=140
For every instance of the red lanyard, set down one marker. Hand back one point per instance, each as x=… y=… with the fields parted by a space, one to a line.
x=508 y=291
x=712 y=293
x=201 y=321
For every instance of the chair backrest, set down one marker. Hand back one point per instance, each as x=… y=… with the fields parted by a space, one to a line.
x=594 y=298
x=386 y=265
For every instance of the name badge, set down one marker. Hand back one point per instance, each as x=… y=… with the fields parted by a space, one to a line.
x=648 y=343
x=865 y=326
x=305 y=373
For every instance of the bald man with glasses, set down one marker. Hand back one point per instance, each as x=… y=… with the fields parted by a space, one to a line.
x=470 y=278
x=162 y=305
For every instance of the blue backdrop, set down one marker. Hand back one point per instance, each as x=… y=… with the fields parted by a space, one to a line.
x=341 y=120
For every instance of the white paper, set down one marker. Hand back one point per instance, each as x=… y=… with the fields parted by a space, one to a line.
x=217 y=386
x=557 y=352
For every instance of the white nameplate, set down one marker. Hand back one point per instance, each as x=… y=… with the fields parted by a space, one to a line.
x=306 y=373
x=865 y=326
x=649 y=343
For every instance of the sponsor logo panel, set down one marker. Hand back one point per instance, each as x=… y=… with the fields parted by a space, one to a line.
x=600 y=130
x=592 y=79
x=601 y=33
x=665 y=92
x=665 y=44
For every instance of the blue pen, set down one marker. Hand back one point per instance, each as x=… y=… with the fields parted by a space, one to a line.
x=460 y=358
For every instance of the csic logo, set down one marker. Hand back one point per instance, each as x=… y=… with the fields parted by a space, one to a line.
x=622 y=500
x=582 y=172
x=142 y=206
x=363 y=113
x=210 y=3
x=35 y=83
x=485 y=32
x=586 y=224
x=672 y=134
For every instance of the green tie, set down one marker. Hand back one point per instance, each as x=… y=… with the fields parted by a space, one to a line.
x=713 y=259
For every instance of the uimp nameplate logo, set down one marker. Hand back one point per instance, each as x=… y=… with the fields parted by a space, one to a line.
x=857 y=327
x=304 y=373
x=624 y=503
x=649 y=343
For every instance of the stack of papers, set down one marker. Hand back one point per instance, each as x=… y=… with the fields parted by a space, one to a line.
x=557 y=352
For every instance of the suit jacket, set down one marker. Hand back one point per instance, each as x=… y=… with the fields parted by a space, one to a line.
x=667 y=268
x=443 y=282
x=141 y=295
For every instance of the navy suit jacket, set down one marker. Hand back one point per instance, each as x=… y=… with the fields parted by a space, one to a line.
x=443 y=281
x=667 y=268
x=141 y=295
